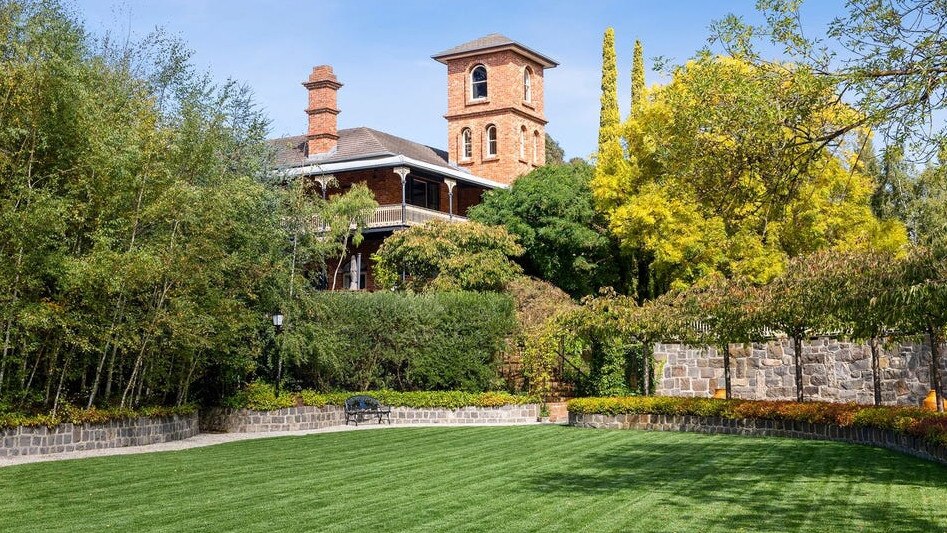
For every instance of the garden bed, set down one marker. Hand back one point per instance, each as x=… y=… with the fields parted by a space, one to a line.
x=93 y=429
x=908 y=430
x=257 y=409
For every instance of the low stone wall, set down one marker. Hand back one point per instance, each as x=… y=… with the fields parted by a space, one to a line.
x=765 y=428
x=41 y=440
x=507 y=414
x=227 y=420
x=833 y=370
x=299 y=418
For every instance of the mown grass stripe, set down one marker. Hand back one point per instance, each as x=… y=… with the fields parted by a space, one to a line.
x=537 y=478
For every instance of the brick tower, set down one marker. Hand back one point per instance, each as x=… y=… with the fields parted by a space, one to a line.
x=495 y=118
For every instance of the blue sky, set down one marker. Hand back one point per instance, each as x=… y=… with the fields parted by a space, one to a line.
x=381 y=50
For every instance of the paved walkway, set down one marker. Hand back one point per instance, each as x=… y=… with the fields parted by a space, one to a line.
x=210 y=439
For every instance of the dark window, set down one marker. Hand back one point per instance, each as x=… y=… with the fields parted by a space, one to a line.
x=478 y=82
x=347 y=280
x=424 y=193
x=491 y=141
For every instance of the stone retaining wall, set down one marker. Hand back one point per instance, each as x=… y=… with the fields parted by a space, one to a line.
x=40 y=440
x=299 y=418
x=765 y=428
x=833 y=370
x=228 y=420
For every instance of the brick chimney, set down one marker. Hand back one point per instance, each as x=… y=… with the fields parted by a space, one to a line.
x=323 y=135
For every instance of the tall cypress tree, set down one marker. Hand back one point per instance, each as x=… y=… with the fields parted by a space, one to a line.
x=637 y=77
x=610 y=117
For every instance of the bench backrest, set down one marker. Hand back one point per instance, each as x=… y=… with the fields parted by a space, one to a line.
x=360 y=403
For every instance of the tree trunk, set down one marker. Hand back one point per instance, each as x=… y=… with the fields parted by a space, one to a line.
x=6 y=349
x=50 y=370
x=62 y=378
x=136 y=401
x=646 y=353
x=797 y=359
x=726 y=370
x=186 y=384
x=98 y=375
x=9 y=326
x=136 y=368
x=875 y=369
x=108 y=380
x=935 y=368
x=345 y=247
x=29 y=383
x=105 y=352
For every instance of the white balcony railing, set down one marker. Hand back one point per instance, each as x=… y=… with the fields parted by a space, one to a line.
x=391 y=216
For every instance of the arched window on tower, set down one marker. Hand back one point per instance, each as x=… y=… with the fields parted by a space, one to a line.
x=478 y=82
x=466 y=143
x=523 y=143
x=491 y=140
x=527 y=85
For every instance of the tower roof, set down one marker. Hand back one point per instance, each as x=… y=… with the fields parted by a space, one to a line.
x=493 y=42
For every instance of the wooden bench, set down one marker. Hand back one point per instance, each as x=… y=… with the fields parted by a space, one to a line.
x=361 y=408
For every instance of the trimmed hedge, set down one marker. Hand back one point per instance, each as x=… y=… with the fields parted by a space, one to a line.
x=383 y=340
x=928 y=425
x=74 y=415
x=259 y=396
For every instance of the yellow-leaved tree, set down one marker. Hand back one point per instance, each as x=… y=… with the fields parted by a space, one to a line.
x=724 y=170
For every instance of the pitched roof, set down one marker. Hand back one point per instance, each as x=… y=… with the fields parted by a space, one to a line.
x=354 y=144
x=490 y=42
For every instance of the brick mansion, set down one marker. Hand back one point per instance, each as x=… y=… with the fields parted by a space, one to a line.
x=495 y=133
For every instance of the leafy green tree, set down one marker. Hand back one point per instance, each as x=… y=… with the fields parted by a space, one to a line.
x=609 y=117
x=552 y=214
x=345 y=217
x=139 y=248
x=861 y=285
x=887 y=56
x=920 y=302
x=444 y=256
x=716 y=180
x=797 y=303
x=926 y=209
x=725 y=312
x=918 y=199
x=555 y=155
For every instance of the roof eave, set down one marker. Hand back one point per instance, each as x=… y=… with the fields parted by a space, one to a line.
x=390 y=161
x=543 y=60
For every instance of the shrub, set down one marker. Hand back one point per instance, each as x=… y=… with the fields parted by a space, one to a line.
x=441 y=256
x=74 y=415
x=928 y=425
x=384 y=340
x=260 y=397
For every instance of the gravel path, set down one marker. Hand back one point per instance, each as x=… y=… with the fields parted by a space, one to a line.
x=210 y=439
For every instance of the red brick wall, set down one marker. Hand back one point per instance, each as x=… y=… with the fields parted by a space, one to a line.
x=504 y=108
x=387 y=188
x=382 y=181
x=323 y=134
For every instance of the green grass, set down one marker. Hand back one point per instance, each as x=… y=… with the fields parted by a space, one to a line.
x=538 y=478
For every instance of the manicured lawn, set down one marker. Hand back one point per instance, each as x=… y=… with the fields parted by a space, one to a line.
x=539 y=478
